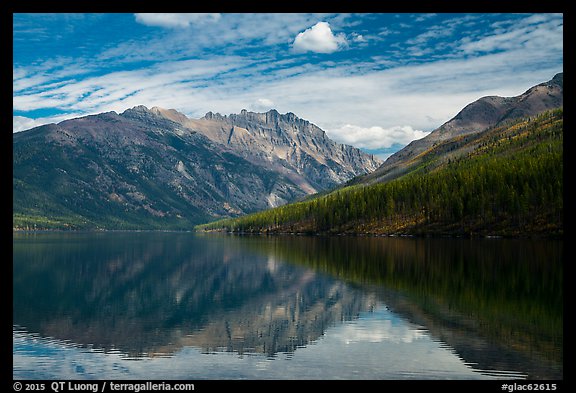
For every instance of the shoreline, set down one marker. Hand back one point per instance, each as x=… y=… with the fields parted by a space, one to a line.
x=305 y=234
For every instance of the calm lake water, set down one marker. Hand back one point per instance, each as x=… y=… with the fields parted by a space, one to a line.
x=155 y=305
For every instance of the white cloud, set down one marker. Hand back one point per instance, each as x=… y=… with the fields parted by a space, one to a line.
x=320 y=39
x=382 y=98
x=375 y=137
x=376 y=330
x=165 y=84
x=536 y=32
x=175 y=20
x=262 y=105
x=400 y=102
x=21 y=123
x=396 y=101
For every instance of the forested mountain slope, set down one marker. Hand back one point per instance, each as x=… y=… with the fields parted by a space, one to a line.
x=156 y=169
x=504 y=181
x=475 y=117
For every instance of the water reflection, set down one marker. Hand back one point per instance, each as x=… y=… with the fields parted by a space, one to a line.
x=155 y=295
x=498 y=303
x=145 y=295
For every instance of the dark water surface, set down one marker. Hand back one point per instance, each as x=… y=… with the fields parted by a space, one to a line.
x=155 y=305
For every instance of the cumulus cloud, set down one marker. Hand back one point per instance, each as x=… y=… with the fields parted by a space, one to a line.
x=175 y=20
x=375 y=137
x=262 y=105
x=320 y=39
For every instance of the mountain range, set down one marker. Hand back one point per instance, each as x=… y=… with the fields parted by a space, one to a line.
x=495 y=169
x=157 y=169
x=474 y=118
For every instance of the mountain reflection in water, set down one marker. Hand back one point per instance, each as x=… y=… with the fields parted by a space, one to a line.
x=149 y=295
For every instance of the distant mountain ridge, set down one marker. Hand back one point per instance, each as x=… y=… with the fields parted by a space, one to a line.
x=476 y=117
x=495 y=169
x=156 y=169
x=504 y=181
x=283 y=142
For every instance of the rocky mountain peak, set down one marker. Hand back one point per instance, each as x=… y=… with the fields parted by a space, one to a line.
x=170 y=114
x=158 y=168
x=139 y=112
x=476 y=117
x=214 y=116
x=282 y=141
x=137 y=109
x=272 y=116
x=558 y=79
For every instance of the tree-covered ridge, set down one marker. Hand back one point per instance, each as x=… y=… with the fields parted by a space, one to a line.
x=505 y=181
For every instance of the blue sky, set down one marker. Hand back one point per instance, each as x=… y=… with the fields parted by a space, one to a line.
x=376 y=80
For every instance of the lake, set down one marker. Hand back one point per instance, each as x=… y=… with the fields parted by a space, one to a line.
x=180 y=306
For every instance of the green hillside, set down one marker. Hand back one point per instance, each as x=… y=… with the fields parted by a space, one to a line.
x=60 y=187
x=505 y=181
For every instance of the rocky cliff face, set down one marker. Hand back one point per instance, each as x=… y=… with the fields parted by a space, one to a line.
x=474 y=118
x=157 y=169
x=285 y=143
